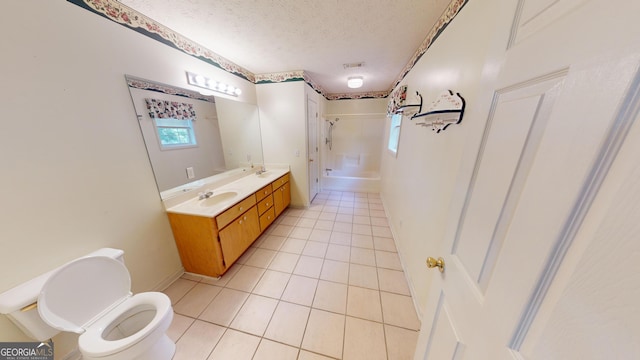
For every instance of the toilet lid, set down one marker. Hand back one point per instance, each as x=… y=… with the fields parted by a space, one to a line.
x=79 y=291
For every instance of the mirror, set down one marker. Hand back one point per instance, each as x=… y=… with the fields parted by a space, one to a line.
x=227 y=136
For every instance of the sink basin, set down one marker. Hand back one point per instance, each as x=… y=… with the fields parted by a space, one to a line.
x=266 y=174
x=216 y=199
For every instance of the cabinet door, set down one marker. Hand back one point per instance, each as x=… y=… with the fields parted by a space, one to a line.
x=286 y=194
x=239 y=235
x=197 y=241
x=278 y=200
x=281 y=198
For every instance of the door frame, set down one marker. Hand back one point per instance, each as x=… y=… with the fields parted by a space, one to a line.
x=313 y=163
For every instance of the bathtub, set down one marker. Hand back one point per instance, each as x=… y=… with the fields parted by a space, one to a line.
x=360 y=181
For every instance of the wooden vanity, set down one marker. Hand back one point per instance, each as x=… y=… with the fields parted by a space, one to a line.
x=210 y=245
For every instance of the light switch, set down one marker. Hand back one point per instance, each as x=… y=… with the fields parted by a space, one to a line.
x=297 y=153
x=190 y=173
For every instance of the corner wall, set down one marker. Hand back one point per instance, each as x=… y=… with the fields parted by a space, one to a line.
x=283 y=123
x=75 y=173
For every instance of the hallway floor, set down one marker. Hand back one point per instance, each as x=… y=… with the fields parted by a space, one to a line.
x=320 y=283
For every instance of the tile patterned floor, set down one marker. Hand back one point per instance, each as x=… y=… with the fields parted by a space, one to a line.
x=321 y=283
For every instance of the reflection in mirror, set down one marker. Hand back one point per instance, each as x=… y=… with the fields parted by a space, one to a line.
x=224 y=135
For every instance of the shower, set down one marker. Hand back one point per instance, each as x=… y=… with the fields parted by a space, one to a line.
x=351 y=159
x=329 y=139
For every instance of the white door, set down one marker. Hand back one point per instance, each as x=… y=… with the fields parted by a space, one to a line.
x=539 y=249
x=312 y=151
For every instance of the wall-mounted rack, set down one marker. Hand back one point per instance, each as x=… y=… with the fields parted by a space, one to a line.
x=403 y=109
x=447 y=109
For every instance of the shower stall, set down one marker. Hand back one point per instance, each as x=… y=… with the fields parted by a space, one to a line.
x=351 y=149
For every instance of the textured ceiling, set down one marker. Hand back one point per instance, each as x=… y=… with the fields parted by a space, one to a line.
x=317 y=36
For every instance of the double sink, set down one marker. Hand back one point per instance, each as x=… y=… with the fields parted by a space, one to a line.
x=225 y=196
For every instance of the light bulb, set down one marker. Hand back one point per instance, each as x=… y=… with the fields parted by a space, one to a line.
x=354 y=82
x=199 y=79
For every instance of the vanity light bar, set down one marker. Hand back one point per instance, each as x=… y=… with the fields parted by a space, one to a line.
x=209 y=84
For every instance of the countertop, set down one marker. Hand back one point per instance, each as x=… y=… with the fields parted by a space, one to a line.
x=242 y=188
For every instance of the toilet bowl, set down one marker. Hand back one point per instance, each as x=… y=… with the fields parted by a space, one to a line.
x=92 y=297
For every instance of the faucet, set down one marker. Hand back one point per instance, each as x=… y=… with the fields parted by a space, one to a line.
x=261 y=170
x=206 y=195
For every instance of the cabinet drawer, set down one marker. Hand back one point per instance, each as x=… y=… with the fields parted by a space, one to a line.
x=280 y=181
x=264 y=192
x=265 y=204
x=226 y=217
x=267 y=218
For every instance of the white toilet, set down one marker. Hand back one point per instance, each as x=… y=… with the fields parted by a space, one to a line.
x=92 y=296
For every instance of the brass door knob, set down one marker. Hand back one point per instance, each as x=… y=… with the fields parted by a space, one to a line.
x=431 y=263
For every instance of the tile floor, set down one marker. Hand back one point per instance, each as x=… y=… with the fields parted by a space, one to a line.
x=320 y=283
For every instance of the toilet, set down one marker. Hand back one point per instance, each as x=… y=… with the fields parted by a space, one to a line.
x=91 y=296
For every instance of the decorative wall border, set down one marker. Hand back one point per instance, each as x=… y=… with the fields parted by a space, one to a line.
x=125 y=16
x=445 y=19
x=143 y=84
x=362 y=95
x=298 y=75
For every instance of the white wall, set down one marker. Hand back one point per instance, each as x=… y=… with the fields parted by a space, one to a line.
x=75 y=173
x=357 y=136
x=283 y=122
x=418 y=185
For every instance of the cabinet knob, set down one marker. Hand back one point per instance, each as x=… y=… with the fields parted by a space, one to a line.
x=240 y=222
x=267 y=204
x=241 y=208
x=244 y=218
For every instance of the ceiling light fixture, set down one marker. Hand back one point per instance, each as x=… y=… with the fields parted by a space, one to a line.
x=355 y=82
x=206 y=83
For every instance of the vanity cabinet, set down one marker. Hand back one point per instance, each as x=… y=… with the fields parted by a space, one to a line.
x=210 y=245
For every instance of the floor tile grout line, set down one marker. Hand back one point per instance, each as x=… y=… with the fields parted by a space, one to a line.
x=293 y=303
x=317 y=279
x=301 y=275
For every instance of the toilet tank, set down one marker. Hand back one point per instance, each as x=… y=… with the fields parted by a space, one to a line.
x=20 y=303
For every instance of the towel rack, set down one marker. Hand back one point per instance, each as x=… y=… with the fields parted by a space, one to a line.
x=447 y=109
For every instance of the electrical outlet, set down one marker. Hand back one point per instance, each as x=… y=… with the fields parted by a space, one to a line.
x=190 y=173
x=297 y=153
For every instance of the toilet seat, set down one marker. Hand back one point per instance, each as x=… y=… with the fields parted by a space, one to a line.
x=91 y=295
x=93 y=343
x=78 y=293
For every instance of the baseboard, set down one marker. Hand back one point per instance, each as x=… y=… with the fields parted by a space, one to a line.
x=412 y=290
x=168 y=280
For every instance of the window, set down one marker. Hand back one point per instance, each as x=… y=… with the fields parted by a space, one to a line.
x=394 y=133
x=174 y=133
